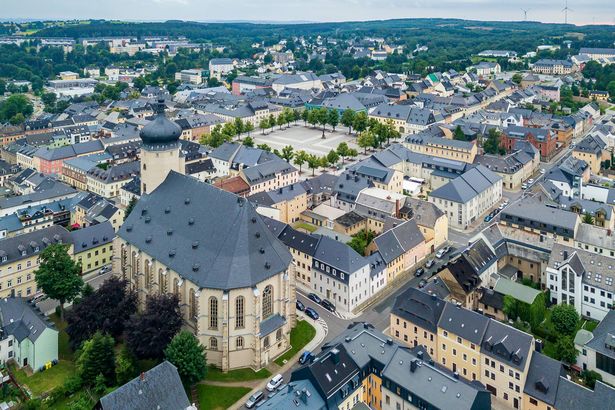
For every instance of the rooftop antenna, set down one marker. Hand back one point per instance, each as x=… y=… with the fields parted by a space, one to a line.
x=566 y=9
x=525 y=14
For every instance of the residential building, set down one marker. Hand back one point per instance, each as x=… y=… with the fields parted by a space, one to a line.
x=593 y=150
x=536 y=217
x=191 y=76
x=441 y=147
x=597 y=348
x=553 y=67
x=514 y=169
x=270 y=175
x=108 y=182
x=93 y=246
x=406 y=119
x=288 y=202
x=219 y=67
x=432 y=222
x=543 y=139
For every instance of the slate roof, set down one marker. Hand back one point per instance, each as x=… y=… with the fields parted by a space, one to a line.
x=507 y=344
x=572 y=396
x=397 y=241
x=604 y=334
x=92 y=236
x=339 y=255
x=539 y=212
x=158 y=388
x=22 y=319
x=465 y=323
x=224 y=245
x=543 y=378
x=468 y=185
x=300 y=241
x=420 y=308
x=271 y=324
x=14 y=248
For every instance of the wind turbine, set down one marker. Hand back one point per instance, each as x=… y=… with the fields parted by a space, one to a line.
x=525 y=13
x=566 y=10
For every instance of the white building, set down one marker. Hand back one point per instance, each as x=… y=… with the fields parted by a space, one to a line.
x=597 y=348
x=219 y=67
x=192 y=76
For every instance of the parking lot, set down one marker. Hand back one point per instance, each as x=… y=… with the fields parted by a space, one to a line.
x=305 y=138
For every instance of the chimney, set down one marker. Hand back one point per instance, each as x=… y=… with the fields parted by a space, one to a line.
x=538 y=345
x=420 y=355
x=335 y=356
x=389 y=341
x=565 y=255
x=397 y=208
x=413 y=365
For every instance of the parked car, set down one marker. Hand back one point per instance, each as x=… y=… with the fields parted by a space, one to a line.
x=530 y=181
x=430 y=263
x=524 y=186
x=422 y=283
x=255 y=399
x=502 y=206
x=306 y=357
x=275 y=382
x=440 y=254
x=300 y=306
x=419 y=272
x=488 y=218
x=328 y=305
x=311 y=313
x=104 y=270
x=542 y=171
x=314 y=297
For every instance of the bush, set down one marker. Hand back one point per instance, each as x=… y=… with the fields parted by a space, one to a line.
x=72 y=385
x=565 y=319
x=591 y=377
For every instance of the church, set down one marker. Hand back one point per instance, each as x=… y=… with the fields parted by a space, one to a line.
x=234 y=279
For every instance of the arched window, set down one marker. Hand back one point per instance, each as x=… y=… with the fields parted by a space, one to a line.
x=239 y=343
x=239 y=312
x=213 y=313
x=213 y=343
x=148 y=268
x=266 y=342
x=278 y=335
x=162 y=281
x=267 y=302
x=193 y=306
x=124 y=255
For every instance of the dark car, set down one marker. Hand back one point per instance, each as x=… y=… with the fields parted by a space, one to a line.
x=328 y=305
x=422 y=283
x=300 y=306
x=306 y=357
x=314 y=297
x=255 y=399
x=419 y=272
x=311 y=313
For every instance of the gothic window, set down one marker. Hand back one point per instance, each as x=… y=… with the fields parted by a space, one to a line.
x=193 y=305
x=213 y=313
x=213 y=343
x=267 y=302
x=239 y=312
x=278 y=335
x=239 y=343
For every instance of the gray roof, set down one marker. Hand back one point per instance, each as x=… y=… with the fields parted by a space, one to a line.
x=271 y=324
x=585 y=263
x=468 y=185
x=399 y=240
x=22 y=319
x=425 y=138
x=572 y=396
x=539 y=212
x=423 y=212
x=420 y=308
x=267 y=170
x=69 y=151
x=92 y=236
x=269 y=198
x=157 y=388
x=339 y=255
x=32 y=243
x=507 y=344
x=298 y=394
x=603 y=335
x=543 y=377
x=224 y=245
x=464 y=323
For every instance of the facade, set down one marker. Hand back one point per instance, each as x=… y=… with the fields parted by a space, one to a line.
x=593 y=150
x=553 y=67
x=192 y=76
x=442 y=147
x=93 y=246
x=543 y=139
x=219 y=67
x=514 y=169
x=597 y=348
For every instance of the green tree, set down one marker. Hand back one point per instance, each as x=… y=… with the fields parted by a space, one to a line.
x=313 y=162
x=517 y=78
x=365 y=140
x=97 y=357
x=125 y=366
x=343 y=150
x=352 y=153
x=130 y=207
x=15 y=109
x=238 y=127
x=281 y=120
x=188 y=355
x=459 y=135
x=333 y=118
x=324 y=162
x=510 y=307
x=139 y=83
x=263 y=125
x=305 y=115
x=361 y=240
x=288 y=153
x=264 y=147
x=491 y=145
x=248 y=127
x=333 y=157
x=565 y=319
x=590 y=377
x=248 y=142
x=58 y=275
x=588 y=218
x=322 y=116
x=300 y=159
x=565 y=350
x=360 y=122
x=348 y=119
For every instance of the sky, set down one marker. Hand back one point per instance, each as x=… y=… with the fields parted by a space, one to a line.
x=582 y=11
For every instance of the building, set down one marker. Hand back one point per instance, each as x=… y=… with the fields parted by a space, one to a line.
x=593 y=150
x=553 y=67
x=405 y=118
x=234 y=279
x=597 y=348
x=93 y=246
x=467 y=197
x=159 y=387
x=486 y=69
x=219 y=67
x=542 y=139
x=598 y=53
x=191 y=76
x=28 y=337
x=514 y=169
x=108 y=182
x=441 y=147
x=543 y=220
x=432 y=222
x=284 y=204
x=19 y=259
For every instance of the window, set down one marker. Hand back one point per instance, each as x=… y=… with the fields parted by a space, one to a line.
x=213 y=313
x=239 y=312
x=266 y=342
x=267 y=302
x=239 y=343
x=213 y=343
x=278 y=335
x=533 y=402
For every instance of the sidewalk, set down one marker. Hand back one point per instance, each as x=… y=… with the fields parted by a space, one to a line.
x=321 y=333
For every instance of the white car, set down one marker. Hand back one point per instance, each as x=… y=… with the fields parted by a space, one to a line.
x=530 y=181
x=275 y=382
x=524 y=186
x=542 y=171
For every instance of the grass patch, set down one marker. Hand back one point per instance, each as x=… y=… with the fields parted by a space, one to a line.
x=64 y=350
x=237 y=375
x=589 y=325
x=305 y=226
x=47 y=380
x=218 y=397
x=300 y=336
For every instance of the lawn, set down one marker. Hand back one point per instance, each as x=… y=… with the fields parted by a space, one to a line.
x=300 y=336
x=64 y=350
x=238 y=375
x=218 y=397
x=47 y=380
x=305 y=226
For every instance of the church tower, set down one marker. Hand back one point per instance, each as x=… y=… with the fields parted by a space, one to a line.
x=160 y=153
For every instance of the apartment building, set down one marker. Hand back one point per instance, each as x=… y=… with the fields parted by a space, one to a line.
x=93 y=246
x=441 y=147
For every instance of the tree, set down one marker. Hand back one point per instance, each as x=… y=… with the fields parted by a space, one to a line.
x=333 y=118
x=361 y=240
x=281 y=120
x=272 y=121
x=365 y=140
x=125 y=366
x=305 y=114
x=313 y=162
x=106 y=310
x=324 y=162
x=300 y=158
x=348 y=119
x=459 y=135
x=288 y=153
x=248 y=142
x=492 y=144
x=139 y=83
x=517 y=78
x=353 y=153
x=360 y=122
x=58 y=275
x=97 y=357
x=312 y=118
x=565 y=319
x=343 y=150
x=150 y=332
x=510 y=307
x=248 y=127
x=264 y=147
x=238 y=127
x=565 y=350
x=188 y=355
x=130 y=207
x=322 y=116
x=588 y=218
x=15 y=109
x=333 y=157
x=263 y=125
x=590 y=377
x=49 y=99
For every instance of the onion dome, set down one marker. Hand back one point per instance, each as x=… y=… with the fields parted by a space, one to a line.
x=160 y=131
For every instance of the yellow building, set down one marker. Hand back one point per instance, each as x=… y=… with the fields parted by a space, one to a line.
x=19 y=258
x=592 y=150
x=93 y=246
x=441 y=147
x=432 y=222
x=290 y=201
